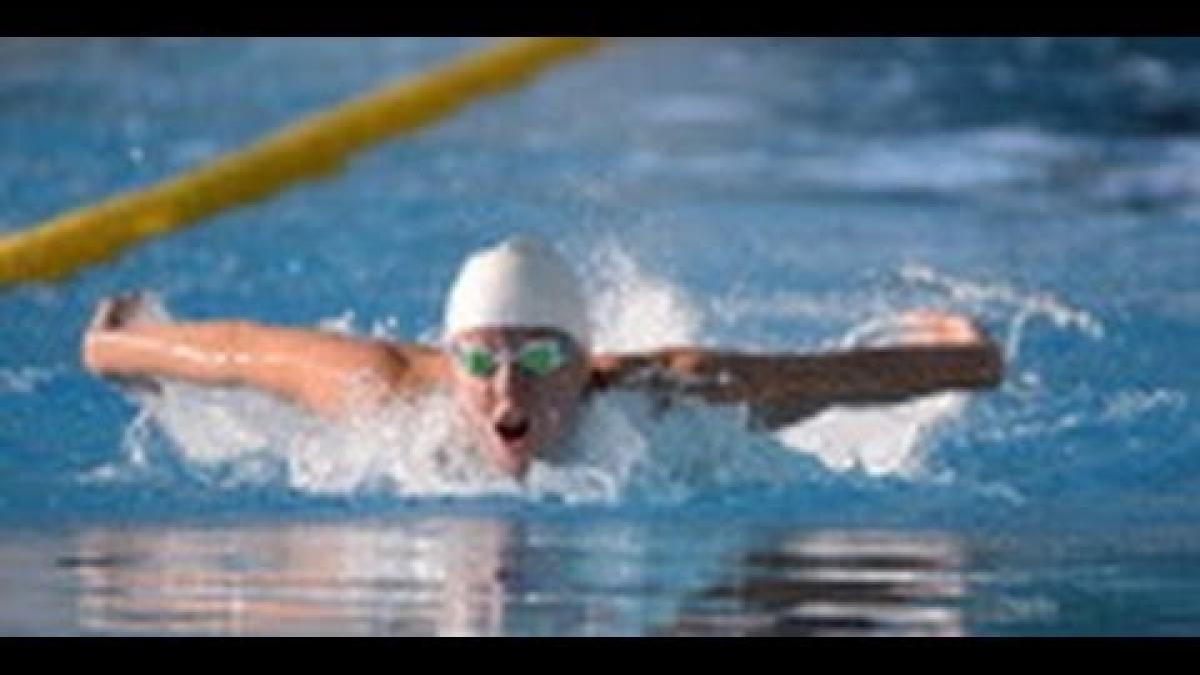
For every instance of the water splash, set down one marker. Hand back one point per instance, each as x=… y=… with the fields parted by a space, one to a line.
x=1026 y=305
x=625 y=448
x=634 y=311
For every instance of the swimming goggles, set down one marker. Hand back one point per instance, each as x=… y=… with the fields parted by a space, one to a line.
x=538 y=358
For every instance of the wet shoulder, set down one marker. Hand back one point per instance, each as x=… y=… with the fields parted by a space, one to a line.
x=413 y=368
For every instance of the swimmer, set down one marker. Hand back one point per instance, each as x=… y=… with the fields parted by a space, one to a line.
x=516 y=355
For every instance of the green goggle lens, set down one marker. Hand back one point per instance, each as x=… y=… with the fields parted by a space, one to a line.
x=479 y=362
x=536 y=358
x=541 y=359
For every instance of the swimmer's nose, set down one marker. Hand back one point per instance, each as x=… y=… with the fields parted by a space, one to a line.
x=508 y=380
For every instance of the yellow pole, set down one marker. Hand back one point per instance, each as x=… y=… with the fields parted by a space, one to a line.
x=308 y=149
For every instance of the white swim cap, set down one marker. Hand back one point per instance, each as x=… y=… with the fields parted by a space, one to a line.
x=522 y=283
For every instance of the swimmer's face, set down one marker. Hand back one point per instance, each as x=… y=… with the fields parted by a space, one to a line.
x=508 y=390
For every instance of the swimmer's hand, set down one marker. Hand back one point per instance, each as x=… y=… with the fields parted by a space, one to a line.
x=928 y=327
x=116 y=313
x=127 y=309
x=942 y=328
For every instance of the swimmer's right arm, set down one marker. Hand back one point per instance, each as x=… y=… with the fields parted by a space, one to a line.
x=328 y=373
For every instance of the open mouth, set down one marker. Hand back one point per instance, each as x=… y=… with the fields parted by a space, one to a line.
x=513 y=429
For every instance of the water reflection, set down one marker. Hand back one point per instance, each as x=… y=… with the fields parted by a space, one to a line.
x=836 y=583
x=428 y=578
x=453 y=576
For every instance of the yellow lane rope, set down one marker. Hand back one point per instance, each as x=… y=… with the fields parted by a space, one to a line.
x=310 y=148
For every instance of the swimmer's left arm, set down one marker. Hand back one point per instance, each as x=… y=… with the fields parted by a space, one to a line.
x=943 y=352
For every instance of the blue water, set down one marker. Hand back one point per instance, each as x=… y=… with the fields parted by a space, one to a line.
x=783 y=192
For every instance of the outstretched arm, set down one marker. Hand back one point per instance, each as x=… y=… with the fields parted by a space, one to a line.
x=943 y=352
x=328 y=373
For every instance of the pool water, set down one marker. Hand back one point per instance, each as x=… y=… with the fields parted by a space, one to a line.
x=752 y=193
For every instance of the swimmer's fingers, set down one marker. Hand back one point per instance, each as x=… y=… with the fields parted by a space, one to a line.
x=935 y=327
x=102 y=316
x=113 y=313
x=918 y=327
x=126 y=309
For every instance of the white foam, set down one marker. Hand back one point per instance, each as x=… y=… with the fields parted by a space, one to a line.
x=878 y=440
x=622 y=448
x=1134 y=403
